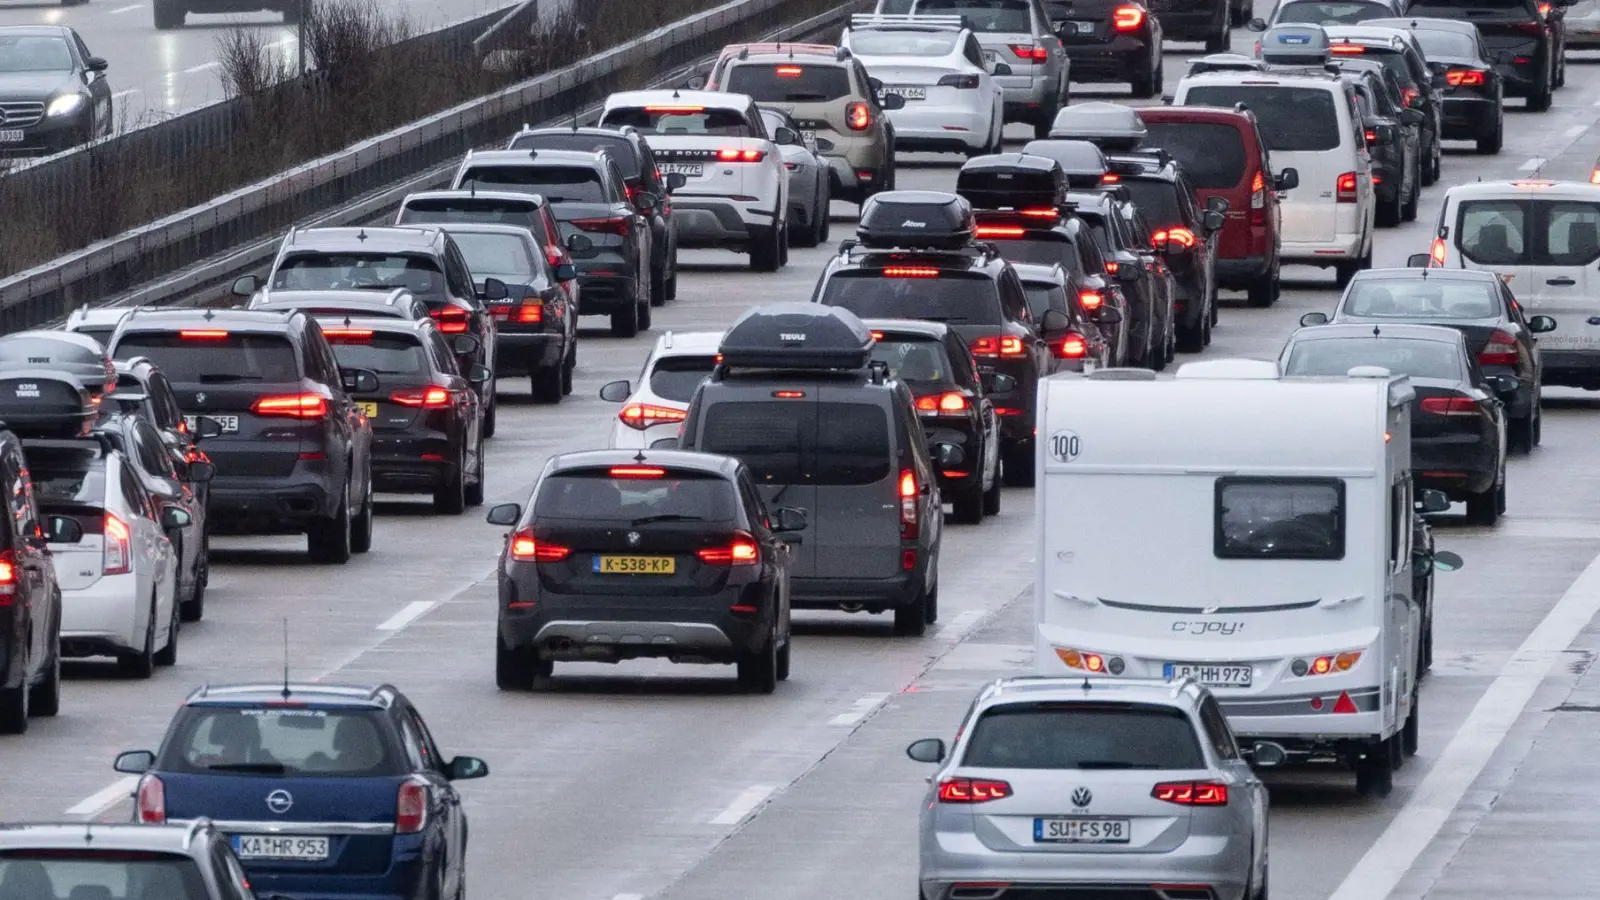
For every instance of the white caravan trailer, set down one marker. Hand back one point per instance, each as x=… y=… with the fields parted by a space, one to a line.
x=1244 y=529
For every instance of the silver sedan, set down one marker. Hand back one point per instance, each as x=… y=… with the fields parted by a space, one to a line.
x=810 y=190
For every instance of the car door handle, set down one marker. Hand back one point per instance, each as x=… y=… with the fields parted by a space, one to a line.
x=1561 y=282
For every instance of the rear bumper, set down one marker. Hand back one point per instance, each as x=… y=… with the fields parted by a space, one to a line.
x=519 y=353
x=1343 y=248
x=1027 y=95
x=874 y=594
x=715 y=222
x=1456 y=464
x=405 y=879
x=1525 y=79
x=624 y=437
x=412 y=463
x=1466 y=118
x=1240 y=272
x=1570 y=368
x=103 y=618
x=1193 y=24
x=612 y=629
x=606 y=294
x=1114 y=61
x=940 y=128
x=960 y=856
x=248 y=505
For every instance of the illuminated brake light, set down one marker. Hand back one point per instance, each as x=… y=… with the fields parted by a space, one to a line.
x=638 y=472
x=1127 y=18
x=203 y=334
x=451 y=319
x=526 y=549
x=348 y=335
x=411 y=808
x=1329 y=663
x=674 y=109
x=1544 y=9
x=1112 y=267
x=1183 y=237
x=999 y=231
x=1464 y=78
x=152 y=801
x=117 y=557
x=1534 y=184
x=858 y=116
x=1043 y=212
x=1409 y=95
x=1449 y=406
x=1345 y=187
x=1073 y=346
x=1258 y=199
x=1005 y=347
x=1500 y=351
x=943 y=404
x=972 y=790
x=621 y=226
x=1594 y=177
x=792 y=395
x=741 y=551
x=1192 y=793
x=1030 y=52
x=1347 y=49
x=789 y=71
x=1110 y=178
x=908 y=504
x=1437 y=254
x=425 y=398
x=643 y=415
x=735 y=154
x=910 y=272
x=8 y=577
x=1372 y=136
x=1092 y=300
x=531 y=312
x=294 y=406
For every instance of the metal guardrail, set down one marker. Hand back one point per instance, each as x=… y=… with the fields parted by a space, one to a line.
x=157 y=263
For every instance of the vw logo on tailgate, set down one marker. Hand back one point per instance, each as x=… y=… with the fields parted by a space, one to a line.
x=1081 y=797
x=279 y=801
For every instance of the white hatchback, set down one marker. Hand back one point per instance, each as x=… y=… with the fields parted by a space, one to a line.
x=655 y=408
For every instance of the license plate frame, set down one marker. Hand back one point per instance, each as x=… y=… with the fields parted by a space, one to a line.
x=1072 y=830
x=369 y=407
x=12 y=136
x=229 y=424
x=907 y=91
x=1212 y=675
x=687 y=170
x=634 y=565
x=295 y=847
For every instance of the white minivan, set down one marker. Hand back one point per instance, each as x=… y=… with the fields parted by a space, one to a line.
x=1543 y=238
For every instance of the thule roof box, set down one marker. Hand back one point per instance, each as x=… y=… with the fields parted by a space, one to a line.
x=1295 y=45
x=926 y=23
x=797 y=336
x=1012 y=181
x=75 y=355
x=930 y=220
x=1113 y=127
x=1082 y=163
x=46 y=403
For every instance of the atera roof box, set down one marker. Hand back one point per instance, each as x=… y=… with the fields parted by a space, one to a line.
x=45 y=403
x=797 y=336
x=1083 y=164
x=1295 y=45
x=929 y=220
x=77 y=355
x=1113 y=127
x=1012 y=181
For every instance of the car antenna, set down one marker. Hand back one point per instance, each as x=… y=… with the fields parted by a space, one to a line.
x=286 y=691
x=361 y=235
x=1375 y=331
x=640 y=457
x=676 y=95
x=1086 y=684
x=88 y=832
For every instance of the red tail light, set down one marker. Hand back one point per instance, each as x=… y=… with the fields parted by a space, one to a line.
x=152 y=801
x=203 y=334
x=1348 y=49
x=972 y=790
x=451 y=319
x=8 y=577
x=1500 y=351
x=618 y=225
x=1127 y=18
x=1005 y=347
x=1192 y=793
x=1544 y=9
x=910 y=272
x=1073 y=346
x=1030 y=52
x=1183 y=237
x=734 y=154
x=1594 y=177
x=294 y=406
x=531 y=312
x=1112 y=267
x=1372 y=136
x=526 y=549
x=1345 y=188
x=1437 y=253
x=908 y=504
x=425 y=398
x=1449 y=406
x=348 y=335
x=943 y=404
x=789 y=71
x=1464 y=78
x=411 y=808
x=741 y=551
x=117 y=556
x=643 y=415
x=960 y=82
x=1110 y=178
x=858 y=116
x=999 y=231
x=638 y=472
x=1093 y=300
x=1410 y=94
x=1258 y=200
x=1043 y=212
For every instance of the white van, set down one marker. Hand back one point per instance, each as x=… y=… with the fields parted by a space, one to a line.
x=1543 y=237
x=1308 y=118
x=1251 y=531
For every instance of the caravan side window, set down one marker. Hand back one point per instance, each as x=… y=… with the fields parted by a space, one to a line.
x=1400 y=524
x=1279 y=518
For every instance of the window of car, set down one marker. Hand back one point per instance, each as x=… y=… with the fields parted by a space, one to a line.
x=595 y=494
x=954 y=297
x=68 y=476
x=853 y=445
x=1289 y=118
x=1337 y=356
x=1217 y=731
x=503 y=256
x=1279 y=518
x=34 y=53
x=676 y=377
x=918 y=360
x=444 y=358
x=166 y=405
x=1458 y=6
x=984 y=16
x=781 y=443
x=1420 y=298
x=1322 y=12
x=153 y=454
x=102 y=874
x=905 y=43
x=281 y=741
x=229 y=359
x=1046 y=248
x=1044 y=296
x=1212 y=154
x=669 y=119
x=557 y=184
x=1158 y=200
x=1446 y=43
x=315 y=271
x=385 y=353
x=526 y=213
x=1083 y=735
x=1529 y=232
x=794 y=81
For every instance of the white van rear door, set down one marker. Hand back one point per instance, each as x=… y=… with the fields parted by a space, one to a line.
x=1547 y=249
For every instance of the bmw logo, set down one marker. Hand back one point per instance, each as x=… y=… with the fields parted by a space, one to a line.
x=1081 y=797
x=280 y=800
x=633 y=539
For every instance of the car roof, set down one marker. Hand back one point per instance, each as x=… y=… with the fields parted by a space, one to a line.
x=1490 y=190
x=689 y=343
x=773 y=47
x=1364 y=34
x=923 y=327
x=1410 y=332
x=60 y=31
x=533 y=158
x=249 y=320
x=1424 y=23
x=359 y=298
x=403 y=238
x=293 y=693
x=710 y=463
x=475 y=194
x=1431 y=274
x=488 y=228
x=626 y=133
x=670 y=97
x=1180 y=692
x=98 y=315
x=170 y=838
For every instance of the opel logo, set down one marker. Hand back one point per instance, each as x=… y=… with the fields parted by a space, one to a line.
x=279 y=801
x=1081 y=797
x=200 y=397
x=633 y=539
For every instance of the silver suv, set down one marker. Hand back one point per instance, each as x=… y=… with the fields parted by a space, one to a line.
x=1133 y=786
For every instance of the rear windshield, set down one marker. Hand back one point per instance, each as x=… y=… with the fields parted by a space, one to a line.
x=359 y=271
x=1464 y=5
x=597 y=495
x=1325 y=13
x=1043 y=297
x=1157 y=200
x=502 y=256
x=918 y=361
x=1212 y=155
x=685 y=120
x=1446 y=43
x=1289 y=118
x=281 y=741
x=1394 y=62
x=103 y=335
x=1083 y=736
x=789 y=82
x=617 y=148
x=782 y=444
x=958 y=299
x=1040 y=251
x=214 y=360
x=1417 y=298
x=1529 y=232
x=494 y=212
x=81 y=874
x=984 y=16
x=557 y=184
x=676 y=377
x=67 y=475
x=902 y=43
x=1419 y=359
x=385 y=354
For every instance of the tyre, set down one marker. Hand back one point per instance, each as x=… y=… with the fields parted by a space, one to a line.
x=547 y=384
x=644 y=316
x=1238 y=16
x=911 y=620
x=14 y=710
x=1148 y=84
x=1485 y=508
x=1192 y=338
x=625 y=322
x=515 y=668
x=194 y=608
x=812 y=233
x=1374 y=774
x=1409 y=738
x=930 y=606
x=1540 y=102
x=1263 y=290
x=1345 y=271
x=765 y=250
x=44 y=699
x=1389 y=213
x=991 y=497
x=141 y=663
x=489 y=414
x=329 y=541
x=1408 y=210
x=168 y=655
x=758 y=672
x=1017 y=466
x=966 y=504
x=474 y=488
x=1523 y=434
x=824 y=216
x=658 y=287
x=567 y=367
x=361 y=528
x=450 y=498
x=1490 y=143
x=1219 y=43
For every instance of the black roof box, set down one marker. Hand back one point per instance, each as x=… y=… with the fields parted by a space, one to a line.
x=797 y=336
x=928 y=220
x=45 y=403
x=1012 y=181
x=77 y=355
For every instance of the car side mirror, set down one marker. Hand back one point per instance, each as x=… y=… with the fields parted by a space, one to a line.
x=1257 y=25
x=696 y=83
x=927 y=750
x=1418 y=261
x=174 y=517
x=207 y=427
x=1287 y=180
x=875 y=85
x=1314 y=318
x=463 y=768
x=1128 y=274
x=646 y=201
x=1500 y=385
x=1267 y=754
x=199 y=471
x=506 y=514
x=1412 y=116
x=565 y=271
x=785 y=136
x=63 y=530
x=245 y=285
x=1504 y=57
x=1001 y=69
x=1213 y=220
x=1054 y=321
x=616 y=391
x=1107 y=315
x=675 y=180
x=96 y=64
x=1445 y=561
x=1433 y=501
x=996 y=383
x=789 y=519
x=1217 y=204
x=480 y=374
x=134 y=762
x=947 y=455
x=666 y=443
x=580 y=246
x=1541 y=324
x=893 y=102
x=359 y=381
x=463 y=344
x=1167 y=99
x=494 y=289
x=824 y=145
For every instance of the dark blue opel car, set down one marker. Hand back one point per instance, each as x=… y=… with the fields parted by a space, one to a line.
x=325 y=791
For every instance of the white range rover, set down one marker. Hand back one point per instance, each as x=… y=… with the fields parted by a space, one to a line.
x=736 y=195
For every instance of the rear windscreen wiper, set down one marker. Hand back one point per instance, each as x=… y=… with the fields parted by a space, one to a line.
x=227 y=378
x=263 y=768
x=666 y=517
x=1111 y=764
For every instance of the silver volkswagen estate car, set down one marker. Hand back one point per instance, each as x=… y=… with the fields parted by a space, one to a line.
x=1058 y=787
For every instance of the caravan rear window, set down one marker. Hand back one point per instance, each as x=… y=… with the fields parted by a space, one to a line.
x=1280 y=518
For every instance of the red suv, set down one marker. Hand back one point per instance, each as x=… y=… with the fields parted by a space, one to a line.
x=1222 y=155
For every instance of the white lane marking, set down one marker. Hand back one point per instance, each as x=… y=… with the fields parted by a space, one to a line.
x=959 y=625
x=744 y=804
x=96 y=802
x=193 y=70
x=859 y=710
x=628 y=897
x=412 y=611
x=1420 y=820
x=120 y=94
x=1531 y=164
x=125 y=9
x=1576 y=130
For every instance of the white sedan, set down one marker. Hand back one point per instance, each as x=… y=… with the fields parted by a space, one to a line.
x=953 y=103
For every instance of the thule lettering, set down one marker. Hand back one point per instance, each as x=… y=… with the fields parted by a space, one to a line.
x=1200 y=627
x=791 y=337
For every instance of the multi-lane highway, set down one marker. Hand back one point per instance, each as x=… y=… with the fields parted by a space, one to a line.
x=649 y=780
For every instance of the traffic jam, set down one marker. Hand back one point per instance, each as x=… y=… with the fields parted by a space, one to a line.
x=787 y=384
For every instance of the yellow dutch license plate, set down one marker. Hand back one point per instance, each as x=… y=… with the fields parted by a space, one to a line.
x=371 y=409
x=635 y=565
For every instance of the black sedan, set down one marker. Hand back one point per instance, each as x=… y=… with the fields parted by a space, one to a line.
x=54 y=95
x=1528 y=37
x=1096 y=337
x=1475 y=302
x=671 y=547
x=427 y=421
x=1394 y=139
x=1473 y=89
x=1458 y=427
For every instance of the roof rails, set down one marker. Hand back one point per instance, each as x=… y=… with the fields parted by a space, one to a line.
x=1132 y=162
x=930 y=23
x=984 y=251
x=1233 y=62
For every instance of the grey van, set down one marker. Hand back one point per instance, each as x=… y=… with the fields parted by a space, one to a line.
x=822 y=428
